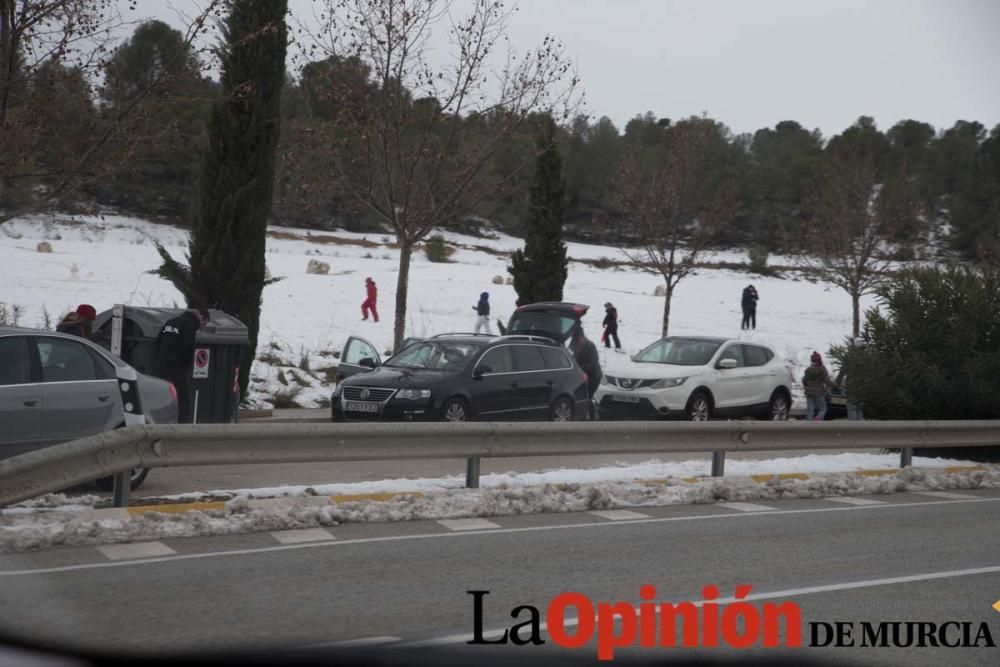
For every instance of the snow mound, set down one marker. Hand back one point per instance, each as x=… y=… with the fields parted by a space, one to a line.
x=27 y=531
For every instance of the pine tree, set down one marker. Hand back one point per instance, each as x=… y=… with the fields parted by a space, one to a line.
x=539 y=270
x=229 y=220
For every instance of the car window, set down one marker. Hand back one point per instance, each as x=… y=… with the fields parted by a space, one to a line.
x=734 y=352
x=541 y=323
x=555 y=358
x=14 y=366
x=65 y=361
x=755 y=355
x=498 y=360
x=357 y=350
x=528 y=358
x=435 y=355
x=105 y=371
x=679 y=351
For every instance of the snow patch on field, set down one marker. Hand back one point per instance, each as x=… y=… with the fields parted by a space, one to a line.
x=105 y=260
x=43 y=529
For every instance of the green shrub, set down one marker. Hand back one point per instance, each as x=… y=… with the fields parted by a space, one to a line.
x=436 y=249
x=758 y=259
x=933 y=349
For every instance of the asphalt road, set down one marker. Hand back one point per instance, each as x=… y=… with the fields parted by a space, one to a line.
x=906 y=557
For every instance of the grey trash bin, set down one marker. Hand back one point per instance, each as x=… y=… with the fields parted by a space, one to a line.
x=221 y=346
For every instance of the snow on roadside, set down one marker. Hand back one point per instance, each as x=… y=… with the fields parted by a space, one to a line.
x=25 y=532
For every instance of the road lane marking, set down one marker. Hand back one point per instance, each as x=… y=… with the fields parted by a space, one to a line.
x=619 y=515
x=944 y=494
x=849 y=500
x=715 y=516
x=772 y=595
x=302 y=535
x=746 y=507
x=136 y=550
x=468 y=524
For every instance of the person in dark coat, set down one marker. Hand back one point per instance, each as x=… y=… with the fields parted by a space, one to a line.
x=585 y=353
x=483 y=313
x=80 y=322
x=371 y=294
x=611 y=326
x=175 y=356
x=749 y=303
x=815 y=381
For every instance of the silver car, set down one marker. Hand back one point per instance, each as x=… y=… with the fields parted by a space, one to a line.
x=55 y=387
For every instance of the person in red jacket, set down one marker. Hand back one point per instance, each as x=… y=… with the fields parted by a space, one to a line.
x=369 y=303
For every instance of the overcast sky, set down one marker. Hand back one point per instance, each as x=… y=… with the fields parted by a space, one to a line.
x=753 y=63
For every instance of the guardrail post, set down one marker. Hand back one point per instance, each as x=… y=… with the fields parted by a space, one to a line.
x=718 y=463
x=472 y=473
x=905 y=457
x=122 y=488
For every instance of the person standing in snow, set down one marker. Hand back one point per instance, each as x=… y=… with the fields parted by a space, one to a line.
x=79 y=322
x=749 y=304
x=815 y=381
x=483 y=313
x=585 y=353
x=611 y=326
x=175 y=357
x=371 y=292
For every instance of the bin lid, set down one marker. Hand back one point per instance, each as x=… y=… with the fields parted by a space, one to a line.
x=221 y=328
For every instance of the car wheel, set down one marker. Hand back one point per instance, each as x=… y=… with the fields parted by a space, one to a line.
x=455 y=410
x=699 y=407
x=562 y=411
x=779 y=407
x=138 y=477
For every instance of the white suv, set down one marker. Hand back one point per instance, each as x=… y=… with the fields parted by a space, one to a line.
x=698 y=378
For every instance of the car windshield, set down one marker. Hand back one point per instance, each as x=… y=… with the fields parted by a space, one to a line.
x=678 y=351
x=435 y=355
x=541 y=323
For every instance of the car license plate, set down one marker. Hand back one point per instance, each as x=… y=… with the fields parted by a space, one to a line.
x=360 y=406
x=625 y=398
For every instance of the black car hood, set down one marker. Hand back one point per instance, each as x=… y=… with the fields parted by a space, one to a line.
x=391 y=376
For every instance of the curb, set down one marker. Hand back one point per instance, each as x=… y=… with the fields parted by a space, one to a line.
x=271 y=503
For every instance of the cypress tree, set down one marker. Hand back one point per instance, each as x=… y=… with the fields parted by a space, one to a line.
x=539 y=270
x=229 y=220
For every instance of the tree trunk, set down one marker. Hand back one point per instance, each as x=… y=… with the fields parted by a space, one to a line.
x=666 y=309
x=856 y=312
x=402 y=286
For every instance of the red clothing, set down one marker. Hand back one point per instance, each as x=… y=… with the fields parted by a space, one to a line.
x=369 y=303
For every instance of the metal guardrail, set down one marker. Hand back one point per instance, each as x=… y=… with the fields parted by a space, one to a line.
x=117 y=452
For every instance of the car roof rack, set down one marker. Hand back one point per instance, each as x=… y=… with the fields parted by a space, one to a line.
x=528 y=337
x=462 y=334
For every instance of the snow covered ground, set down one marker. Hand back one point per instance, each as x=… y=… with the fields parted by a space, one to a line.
x=105 y=260
x=38 y=527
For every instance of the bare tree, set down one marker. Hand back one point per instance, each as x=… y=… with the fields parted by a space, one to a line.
x=672 y=207
x=847 y=232
x=410 y=138
x=47 y=47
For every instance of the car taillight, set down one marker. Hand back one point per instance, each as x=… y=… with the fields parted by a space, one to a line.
x=173 y=391
x=586 y=377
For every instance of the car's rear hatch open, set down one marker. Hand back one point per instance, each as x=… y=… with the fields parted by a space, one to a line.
x=553 y=320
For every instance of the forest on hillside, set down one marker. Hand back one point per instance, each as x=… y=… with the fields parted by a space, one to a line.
x=942 y=183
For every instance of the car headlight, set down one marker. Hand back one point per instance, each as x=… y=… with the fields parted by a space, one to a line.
x=667 y=383
x=413 y=394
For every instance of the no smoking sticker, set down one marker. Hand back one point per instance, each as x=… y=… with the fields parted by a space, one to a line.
x=201 y=357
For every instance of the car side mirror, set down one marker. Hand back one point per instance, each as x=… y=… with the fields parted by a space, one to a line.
x=727 y=364
x=367 y=362
x=481 y=371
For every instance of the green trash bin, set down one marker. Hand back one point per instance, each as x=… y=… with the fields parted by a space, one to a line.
x=221 y=345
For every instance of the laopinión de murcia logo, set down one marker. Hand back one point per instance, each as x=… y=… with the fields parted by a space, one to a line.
x=572 y=620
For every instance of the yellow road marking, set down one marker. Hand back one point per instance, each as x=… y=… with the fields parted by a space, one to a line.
x=176 y=508
x=346 y=498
